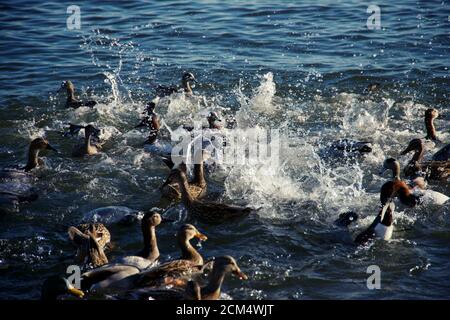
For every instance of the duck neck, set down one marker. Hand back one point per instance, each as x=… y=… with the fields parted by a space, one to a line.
x=87 y=141
x=396 y=171
x=33 y=159
x=186 y=197
x=187 y=86
x=215 y=283
x=150 y=251
x=70 y=94
x=199 y=176
x=188 y=252
x=418 y=154
x=431 y=130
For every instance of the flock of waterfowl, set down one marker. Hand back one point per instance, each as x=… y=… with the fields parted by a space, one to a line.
x=146 y=275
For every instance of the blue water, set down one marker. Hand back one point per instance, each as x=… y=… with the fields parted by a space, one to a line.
x=299 y=66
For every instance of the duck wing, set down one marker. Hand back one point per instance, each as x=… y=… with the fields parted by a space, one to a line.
x=443 y=154
x=163 y=91
x=214 y=212
x=165 y=272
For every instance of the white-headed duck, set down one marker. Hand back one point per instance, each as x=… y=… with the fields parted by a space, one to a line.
x=71 y=101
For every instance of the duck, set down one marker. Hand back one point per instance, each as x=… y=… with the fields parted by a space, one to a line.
x=346 y=148
x=121 y=276
x=89 y=147
x=444 y=153
x=55 y=286
x=71 y=101
x=222 y=266
x=197 y=186
x=207 y=211
x=16 y=183
x=89 y=250
x=149 y=254
x=432 y=170
x=382 y=226
x=418 y=185
x=98 y=230
x=186 y=80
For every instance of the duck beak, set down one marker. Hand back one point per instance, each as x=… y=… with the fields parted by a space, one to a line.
x=49 y=147
x=201 y=236
x=75 y=292
x=241 y=275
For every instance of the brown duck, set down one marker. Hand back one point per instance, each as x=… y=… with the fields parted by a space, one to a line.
x=71 y=101
x=434 y=169
x=98 y=231
x=149 y=254
x=88 y=246
x=208 y=211
x=197 y=186
x=88 y=147
x=126 y=277
x=193 y=291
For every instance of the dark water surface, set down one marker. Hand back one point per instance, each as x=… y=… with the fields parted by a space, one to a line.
x=300 y=67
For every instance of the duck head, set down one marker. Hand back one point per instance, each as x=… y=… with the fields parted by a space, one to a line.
x=212 y=118
x=430 y=115
x=188 y=232
x=90 y=130
x=414 y=145
x=188 y=77
x=391 y=164
x=56 y=286
x=228 y=264
x=41 y=144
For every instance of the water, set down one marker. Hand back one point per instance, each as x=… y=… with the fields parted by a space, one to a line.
x=298 y=67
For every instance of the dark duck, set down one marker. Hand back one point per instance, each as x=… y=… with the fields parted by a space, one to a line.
x=73 y=102
x=16 y=183
x=186 y=86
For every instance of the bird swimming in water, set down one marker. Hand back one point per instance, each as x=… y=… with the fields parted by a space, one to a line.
x=207 y=211
x=120 y=276
x=193 y=291
x=80 y=237
x=381 y=228
x=417 y=186
x=89 y=147
x=71 y=101
x=433 y=169
x=186 y=86
x=16 y=183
